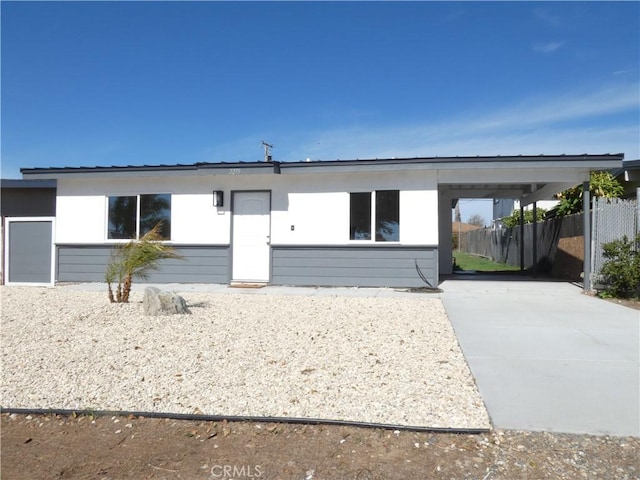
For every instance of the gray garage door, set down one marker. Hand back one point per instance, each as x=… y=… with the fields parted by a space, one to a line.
x=29 y=251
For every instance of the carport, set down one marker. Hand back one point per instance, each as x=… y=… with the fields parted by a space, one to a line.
x=526 y=178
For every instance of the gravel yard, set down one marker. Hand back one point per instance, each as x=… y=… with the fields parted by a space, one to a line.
x=384 y=360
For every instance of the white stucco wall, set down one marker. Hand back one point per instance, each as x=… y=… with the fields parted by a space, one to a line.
x=80 y=218
x=317 y=218
x=194 y=219
x=419 y=216
x=316 y=205
x=323 y=218
x=81 y=209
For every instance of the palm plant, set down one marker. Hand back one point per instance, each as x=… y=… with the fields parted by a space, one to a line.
x=136 y=259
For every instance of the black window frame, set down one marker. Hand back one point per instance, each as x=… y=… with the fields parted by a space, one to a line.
x=374 y=216
x=140 y=213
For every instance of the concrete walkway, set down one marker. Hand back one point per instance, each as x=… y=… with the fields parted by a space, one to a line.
x=547 y=357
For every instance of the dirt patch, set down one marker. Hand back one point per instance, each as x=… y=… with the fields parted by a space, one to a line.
x=52 y=446
x=635 y=304
x=625 y=302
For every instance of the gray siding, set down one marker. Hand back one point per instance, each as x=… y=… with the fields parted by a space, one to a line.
x=362 y=266
x=201 y=264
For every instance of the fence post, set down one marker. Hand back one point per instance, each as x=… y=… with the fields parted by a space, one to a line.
x=535 y=238
x=521 y=237
x=586 y=206
x=638 y=210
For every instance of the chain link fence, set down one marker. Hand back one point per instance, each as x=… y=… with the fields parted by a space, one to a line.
x=612 y=218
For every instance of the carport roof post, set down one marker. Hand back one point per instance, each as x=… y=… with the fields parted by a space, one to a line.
x=586 y=205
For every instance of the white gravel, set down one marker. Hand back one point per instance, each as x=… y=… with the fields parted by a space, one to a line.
x=384 y=360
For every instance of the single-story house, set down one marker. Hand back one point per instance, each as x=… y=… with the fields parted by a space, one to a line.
x=377 y=222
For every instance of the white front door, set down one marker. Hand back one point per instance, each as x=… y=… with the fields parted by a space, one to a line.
x=251 y=230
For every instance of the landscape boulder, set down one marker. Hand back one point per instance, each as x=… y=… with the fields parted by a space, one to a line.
x=156 y=302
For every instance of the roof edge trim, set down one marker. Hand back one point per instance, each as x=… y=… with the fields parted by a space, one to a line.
x=276 y=166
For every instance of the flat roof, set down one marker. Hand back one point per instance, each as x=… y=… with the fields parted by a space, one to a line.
x=607 y=160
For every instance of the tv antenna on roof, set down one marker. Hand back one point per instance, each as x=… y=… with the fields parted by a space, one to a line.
x=267 y=151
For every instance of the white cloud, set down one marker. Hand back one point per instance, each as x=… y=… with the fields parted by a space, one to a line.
x=602 y=120
x=580 y=122
x=547 y=17
x=548 y=47
x=576 y=105
x=378 y=144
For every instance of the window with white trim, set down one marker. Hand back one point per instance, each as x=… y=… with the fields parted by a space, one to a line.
x=132 y=216
x=383 y=220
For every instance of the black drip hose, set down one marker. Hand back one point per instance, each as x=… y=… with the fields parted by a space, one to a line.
x=236 y=418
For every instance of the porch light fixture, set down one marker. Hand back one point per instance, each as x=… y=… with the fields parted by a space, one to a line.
x=218 y=198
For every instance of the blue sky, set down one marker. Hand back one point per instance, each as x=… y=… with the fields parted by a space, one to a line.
x=125 y=83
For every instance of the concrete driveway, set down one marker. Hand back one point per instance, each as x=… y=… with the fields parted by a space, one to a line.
x=547 y=357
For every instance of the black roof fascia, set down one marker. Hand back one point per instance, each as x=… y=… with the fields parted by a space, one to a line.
x=17 y=183
x=631 y=164
x=278 y=166
x=275 y=166
x=129 y=168
x=627 y=166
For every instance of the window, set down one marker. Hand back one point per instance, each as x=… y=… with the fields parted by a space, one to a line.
x=133 y=216
x=122 y=217
x=360 y=216
x=385 y=218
